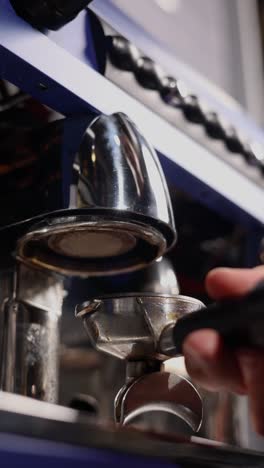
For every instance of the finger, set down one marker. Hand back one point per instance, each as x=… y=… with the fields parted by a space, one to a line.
x=231 y=282
x=210 y=363
x=252 y=368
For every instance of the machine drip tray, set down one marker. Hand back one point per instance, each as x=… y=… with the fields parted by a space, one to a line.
x=33 y=431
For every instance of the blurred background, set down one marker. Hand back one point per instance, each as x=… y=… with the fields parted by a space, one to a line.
x=221 y=40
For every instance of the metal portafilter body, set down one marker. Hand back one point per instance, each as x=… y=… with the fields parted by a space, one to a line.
x=129 y=327
x=144 y=329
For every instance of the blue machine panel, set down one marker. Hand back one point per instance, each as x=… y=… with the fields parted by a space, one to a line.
x=18 y=451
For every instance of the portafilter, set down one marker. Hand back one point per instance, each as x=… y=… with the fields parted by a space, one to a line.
x=129 y=327
x=146 y=329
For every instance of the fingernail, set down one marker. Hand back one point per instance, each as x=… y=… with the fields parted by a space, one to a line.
x=195 y=363
x=195 y=366
x=199 y=348
x=191 y=353
x=203 y=343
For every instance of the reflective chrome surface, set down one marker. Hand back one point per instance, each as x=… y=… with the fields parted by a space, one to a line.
x=92 y=245
x=159 y=392
x=118 y=169
x=103 y=198
x=163 y=310
x=95 y=205
x=129 y=326
x=31 y=336
x=160 y=278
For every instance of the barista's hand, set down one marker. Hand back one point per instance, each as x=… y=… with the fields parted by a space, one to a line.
x=214 y=367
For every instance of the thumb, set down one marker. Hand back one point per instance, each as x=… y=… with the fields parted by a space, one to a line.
x=231 y=282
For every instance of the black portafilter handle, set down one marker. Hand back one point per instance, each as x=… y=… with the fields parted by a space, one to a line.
x=239 y=321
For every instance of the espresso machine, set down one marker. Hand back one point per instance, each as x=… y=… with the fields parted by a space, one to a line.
x=86 y=196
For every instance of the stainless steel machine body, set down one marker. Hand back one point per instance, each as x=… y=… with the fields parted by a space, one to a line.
x=95 y=206
x=31 y=341
x=101 y=206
